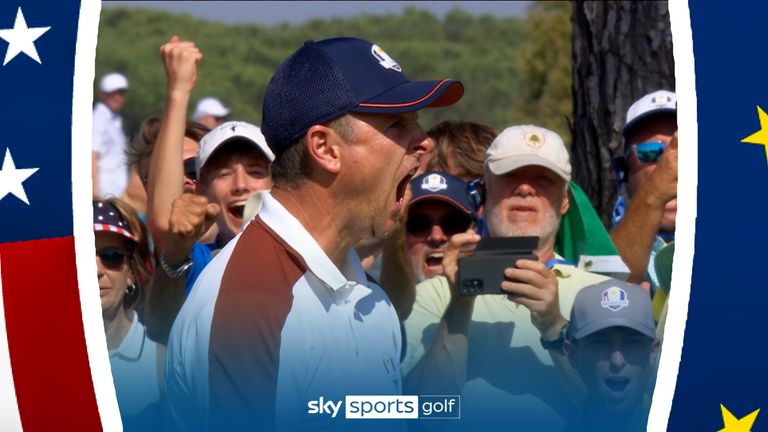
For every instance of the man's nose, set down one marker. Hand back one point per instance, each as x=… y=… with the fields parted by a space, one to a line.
x=617 y=360
x=436 y=235
x=421 y=142
x=524 y=188
x=239 y=183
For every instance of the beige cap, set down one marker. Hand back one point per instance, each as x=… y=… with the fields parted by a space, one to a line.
x=519 y=146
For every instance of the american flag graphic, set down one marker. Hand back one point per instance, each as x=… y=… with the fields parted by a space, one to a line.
x=54 y=367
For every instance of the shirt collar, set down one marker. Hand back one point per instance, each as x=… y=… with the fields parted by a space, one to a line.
x=133 y=343
x=282 y=222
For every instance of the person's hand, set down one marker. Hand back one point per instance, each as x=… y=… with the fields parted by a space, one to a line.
x=180 y=59
x=663 y=181
x=459 y=246
x=534 y=286
x=191 y=216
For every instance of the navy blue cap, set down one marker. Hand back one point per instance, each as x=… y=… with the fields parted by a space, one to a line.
x=440 y=186
x=326 y=79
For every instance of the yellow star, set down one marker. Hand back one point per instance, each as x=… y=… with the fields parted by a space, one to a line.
x=732 y=424
x=761 y=136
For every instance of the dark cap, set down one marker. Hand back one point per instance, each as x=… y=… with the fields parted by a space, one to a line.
x=324 y=80
x=611 y=303
x=440 y=186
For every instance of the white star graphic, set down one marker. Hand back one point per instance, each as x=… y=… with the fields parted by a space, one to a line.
x=12 y=178
x=21 y=39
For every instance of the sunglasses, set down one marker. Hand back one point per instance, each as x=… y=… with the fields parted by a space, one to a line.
x=189 y=169
x=112 y=257
x=648 y=152
x=421 y=225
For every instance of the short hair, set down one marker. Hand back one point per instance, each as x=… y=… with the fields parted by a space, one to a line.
x=291 y=168
x=140 y=260
x=464 y=142
x=140 y=149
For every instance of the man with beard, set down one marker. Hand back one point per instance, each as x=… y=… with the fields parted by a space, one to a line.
x=284 y=313
x=505 y=360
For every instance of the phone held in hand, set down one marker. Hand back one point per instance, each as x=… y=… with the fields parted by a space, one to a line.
x=483 y=272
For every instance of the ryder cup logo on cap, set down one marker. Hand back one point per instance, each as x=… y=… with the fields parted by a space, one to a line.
x=607 y=304
x=614 y=298
x=324 y=80
x=228 y=132
x=519 y=146
x=650 y=105
x=442 y=187
x=384 y=59
x=434 y=183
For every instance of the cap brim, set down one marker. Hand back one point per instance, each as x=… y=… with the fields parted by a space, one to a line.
x=440 y=198
x=630 y=127
x=413 y=96
x=100 y=227
x=506 y=165
x=603 y=323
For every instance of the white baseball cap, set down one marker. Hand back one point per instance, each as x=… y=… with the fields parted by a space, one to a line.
x=210 y=106
x=226 y=132
x=658 y=102
x=519 y=146
x=113 y=82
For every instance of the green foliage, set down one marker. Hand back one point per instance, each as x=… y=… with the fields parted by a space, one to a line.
x=514 y=70
x=544 y=64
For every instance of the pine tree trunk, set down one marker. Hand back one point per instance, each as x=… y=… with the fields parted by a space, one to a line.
x=622 y=50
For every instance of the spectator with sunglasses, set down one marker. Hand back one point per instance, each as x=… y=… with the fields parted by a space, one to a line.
x=650 y=138
x=123 y=266
x=500 y=356
x=460 y=152
x=439 y=208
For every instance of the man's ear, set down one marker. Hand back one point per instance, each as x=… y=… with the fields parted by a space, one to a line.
x=566 y=204
x=322 y=147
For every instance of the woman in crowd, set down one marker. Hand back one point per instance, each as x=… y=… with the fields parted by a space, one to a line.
x=123 y=266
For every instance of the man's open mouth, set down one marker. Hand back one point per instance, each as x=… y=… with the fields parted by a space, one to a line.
x=236 y=209
x=400 y=191
x=617 y=384
x=434 y=259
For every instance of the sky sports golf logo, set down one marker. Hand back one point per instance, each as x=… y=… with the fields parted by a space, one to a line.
x=389 y=407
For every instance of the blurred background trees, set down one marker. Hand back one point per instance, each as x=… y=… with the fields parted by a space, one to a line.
x=571 y=67
x=621 y=51
x=514 y=69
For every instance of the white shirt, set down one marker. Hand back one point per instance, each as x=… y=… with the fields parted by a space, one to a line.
x=109 y=143
x=271 y=324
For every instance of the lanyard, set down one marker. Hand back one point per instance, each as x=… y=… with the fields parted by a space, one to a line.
x=554 y=261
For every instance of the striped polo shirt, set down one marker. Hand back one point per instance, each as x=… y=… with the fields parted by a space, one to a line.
x=272 y=324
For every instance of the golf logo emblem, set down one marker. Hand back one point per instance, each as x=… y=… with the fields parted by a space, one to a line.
x=384 y=59
x=614 y=298
x=534 y=140
x=660 y=100
x=434 y=183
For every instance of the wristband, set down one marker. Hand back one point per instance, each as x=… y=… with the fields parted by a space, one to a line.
x=177 y=272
